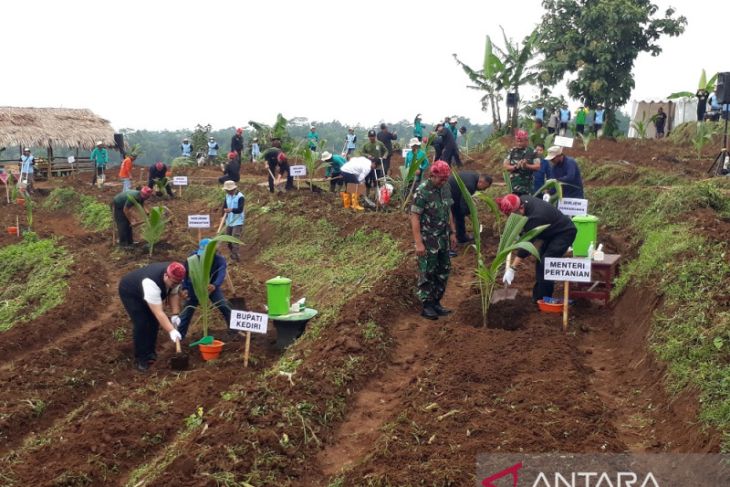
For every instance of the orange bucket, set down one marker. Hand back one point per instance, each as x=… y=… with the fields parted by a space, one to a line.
x=13 y=231
x=550 y=307
x=212 y=351
x=20 y=201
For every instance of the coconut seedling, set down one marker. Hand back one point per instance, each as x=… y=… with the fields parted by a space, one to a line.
x=199 y=268
x=153 y=225
x=511 y=239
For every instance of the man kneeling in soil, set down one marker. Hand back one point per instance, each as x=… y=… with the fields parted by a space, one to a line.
x=123 y=209
x=143 y=292
x=215 y=294
x=555 y=239
x=433 y=230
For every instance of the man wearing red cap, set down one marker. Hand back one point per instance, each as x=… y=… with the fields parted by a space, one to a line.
x=123 y=209
x=158 y=172
x=433 y=231
x=556 y=238
x=231 y=169
x=237 y=143
x=143 y=292
x=521 y=163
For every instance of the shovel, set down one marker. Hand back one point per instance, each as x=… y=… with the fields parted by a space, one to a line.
x=504 y=294
x=206 y=340
x=179 y=361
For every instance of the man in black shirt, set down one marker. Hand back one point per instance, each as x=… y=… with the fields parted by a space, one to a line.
x=237 y=143
x=556 y=238
x=276 y=160
x=474 y=182
x=450 y=151
x=232 y=169
x=387 y=139
x=660 y=119
x=157 y=172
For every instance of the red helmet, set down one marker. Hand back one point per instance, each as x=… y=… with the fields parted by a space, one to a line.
x=176 y=271
x=159 y=165
x=232 y=155
x=509 y=203
x=145 y=192
x=440 y=169
x=281 y=157
x=239 y=131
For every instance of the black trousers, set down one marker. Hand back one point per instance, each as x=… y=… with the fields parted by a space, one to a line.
x=552 y=247
x=335 y=183
x=124 y=228
x=459 y=215
x=144 y=326
x=289 y=179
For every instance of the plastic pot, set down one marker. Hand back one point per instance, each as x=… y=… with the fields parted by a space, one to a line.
x=20 y=201
x=13 y=231
x=211 y=352
x=550 y=307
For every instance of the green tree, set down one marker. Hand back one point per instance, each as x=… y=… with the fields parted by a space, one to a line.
x=598 y=41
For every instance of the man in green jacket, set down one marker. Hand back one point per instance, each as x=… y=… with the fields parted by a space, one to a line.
x=123 y=209
x=374 y=149
x=100 y=158
x=333 y=170
x=580 y=120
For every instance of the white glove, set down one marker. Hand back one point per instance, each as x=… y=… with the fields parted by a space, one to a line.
x=175 y=320
x=175 y=336
x=509 y=276
x=546 y=197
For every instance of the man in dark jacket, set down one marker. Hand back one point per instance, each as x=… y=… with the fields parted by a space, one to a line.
x=474 y=182
x=438 y=141
x=123 y=209
x=157 y=172
x=237 y=143
x=277 y=161
x=143 y=293
x=450 y=151
x=387 y=139
x=556 y=238
x=215 y=294
x=565 y=170
x=231 y=169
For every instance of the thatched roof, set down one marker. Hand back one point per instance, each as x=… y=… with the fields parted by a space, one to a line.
x=63 y=127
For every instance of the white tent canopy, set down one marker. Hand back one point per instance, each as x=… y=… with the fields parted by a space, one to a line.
x=678 y=111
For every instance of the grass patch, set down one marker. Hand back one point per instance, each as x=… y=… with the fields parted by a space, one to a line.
x=654 y=177
x=591 y=171
x=92 y=214
x=617 y=205
x=213 y=196
x=33 y=280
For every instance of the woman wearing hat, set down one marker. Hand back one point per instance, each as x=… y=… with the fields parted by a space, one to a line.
x=556 y=238
x=235 y=217
x=335 y=164
x=143 y=292
x=419 y=156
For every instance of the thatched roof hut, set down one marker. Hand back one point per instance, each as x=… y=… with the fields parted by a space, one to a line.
x=53 y=127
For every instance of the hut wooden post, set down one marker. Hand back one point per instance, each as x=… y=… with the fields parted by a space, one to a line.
x=50 y=160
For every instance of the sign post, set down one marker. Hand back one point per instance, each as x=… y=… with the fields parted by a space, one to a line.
x=567 y=270
x=296 y=171
x=199 y=222
x=180 y=181
x=573 y=206
x=248 y=322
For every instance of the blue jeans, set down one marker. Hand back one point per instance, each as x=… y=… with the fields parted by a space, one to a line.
x=189 y=307
x=126 y=184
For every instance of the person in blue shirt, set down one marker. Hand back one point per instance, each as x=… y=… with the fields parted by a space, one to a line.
x=215 y=294
x=313 y=138
x=27 y=170
x=566 y=171
x=564 y=119
x=418 y=128
x=598 y=116
x=714 y=112
x=186 y=148
x=415 y=154
x=100 y=156
x=235 y=216
x=539 y=112
x=333 y=172
x=212 y=150
x=544 y=173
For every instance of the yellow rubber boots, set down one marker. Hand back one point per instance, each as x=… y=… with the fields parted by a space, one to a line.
x=356 y=203
x=345 y=200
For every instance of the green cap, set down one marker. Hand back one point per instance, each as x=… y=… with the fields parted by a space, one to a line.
x=279 y=280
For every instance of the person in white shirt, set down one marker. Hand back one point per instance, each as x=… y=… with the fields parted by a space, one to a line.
x=354 y=173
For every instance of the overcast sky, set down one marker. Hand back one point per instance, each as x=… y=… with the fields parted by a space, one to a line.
x=169 y=65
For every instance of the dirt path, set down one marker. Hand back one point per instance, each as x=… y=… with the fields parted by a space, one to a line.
x=381 y=398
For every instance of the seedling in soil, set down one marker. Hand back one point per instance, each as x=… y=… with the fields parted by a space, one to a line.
x=120 y=334
x=194 y=420
x=37 y=405
x=153 y=226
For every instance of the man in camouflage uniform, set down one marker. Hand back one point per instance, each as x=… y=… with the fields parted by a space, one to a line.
x=521 y=163
x=433 y=231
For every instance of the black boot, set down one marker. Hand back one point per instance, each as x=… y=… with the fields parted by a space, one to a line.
x=440 y=310
x=428 y=311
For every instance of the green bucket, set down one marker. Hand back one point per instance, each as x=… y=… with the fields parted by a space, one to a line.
x=587 y=226
x=278 y=295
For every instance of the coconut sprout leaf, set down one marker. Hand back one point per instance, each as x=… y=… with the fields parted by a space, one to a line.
x=527 y=247
x=710 y=85
x=507 y=181
x=533 y=233
x=551 y=184
x=512 y=230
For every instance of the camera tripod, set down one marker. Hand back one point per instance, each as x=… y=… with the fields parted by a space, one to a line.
x=721 y=164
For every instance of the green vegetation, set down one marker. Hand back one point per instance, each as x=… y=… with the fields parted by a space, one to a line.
x=153 y=226
x=92 y=214
x=33 y=280
x=213 y=196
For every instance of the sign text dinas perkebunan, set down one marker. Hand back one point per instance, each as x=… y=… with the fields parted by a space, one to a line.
x=573 y=206
x=180 y=180
x=249 y=321
x=298 y=171
x=569 y=270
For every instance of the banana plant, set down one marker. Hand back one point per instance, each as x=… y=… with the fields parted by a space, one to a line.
x=511 y=239
x=703 y=135
x=153 y=225
x=704 y=84
x=199 y=269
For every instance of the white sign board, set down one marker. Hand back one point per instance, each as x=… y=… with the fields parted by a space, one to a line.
x=405 y=153
x=564 y=269
x=71 y=159
x=563 y=141
x=298 y=170
x=573 y=206
x=180 y=180
x=198 y=221
x=248 y=321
